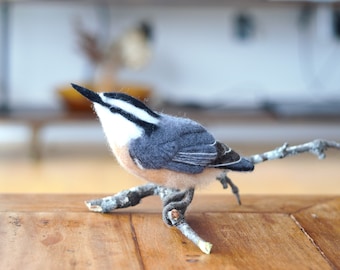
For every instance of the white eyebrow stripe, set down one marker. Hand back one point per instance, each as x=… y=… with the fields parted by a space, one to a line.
x=130 y=108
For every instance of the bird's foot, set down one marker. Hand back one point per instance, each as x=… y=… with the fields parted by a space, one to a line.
x=226 y=181
x=175 y=204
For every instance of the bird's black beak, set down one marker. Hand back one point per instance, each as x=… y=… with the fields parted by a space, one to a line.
x=90 y=95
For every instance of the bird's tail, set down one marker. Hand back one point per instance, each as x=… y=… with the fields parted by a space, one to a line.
x=243 y=165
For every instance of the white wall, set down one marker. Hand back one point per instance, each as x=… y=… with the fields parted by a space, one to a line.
x=196 y=54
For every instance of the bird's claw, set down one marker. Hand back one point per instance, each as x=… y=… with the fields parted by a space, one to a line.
x=226 y=181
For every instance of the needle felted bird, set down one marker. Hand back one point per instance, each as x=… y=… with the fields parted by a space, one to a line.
x=169 y=151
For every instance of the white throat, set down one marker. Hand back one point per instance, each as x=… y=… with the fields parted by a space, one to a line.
x=118 y=130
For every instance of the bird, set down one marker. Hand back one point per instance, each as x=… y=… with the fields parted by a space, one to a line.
x=166 y=150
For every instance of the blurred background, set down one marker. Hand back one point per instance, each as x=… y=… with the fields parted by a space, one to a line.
x=255 y=73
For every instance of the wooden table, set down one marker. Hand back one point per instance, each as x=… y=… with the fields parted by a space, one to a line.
x=266 y=232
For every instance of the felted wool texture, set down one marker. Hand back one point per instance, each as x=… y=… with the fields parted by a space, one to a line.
x=178 y=144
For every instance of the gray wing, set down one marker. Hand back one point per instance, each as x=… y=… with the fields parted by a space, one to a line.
x=181 y=145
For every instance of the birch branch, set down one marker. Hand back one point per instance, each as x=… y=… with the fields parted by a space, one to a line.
x=177 y=219
x=123 y=199
x=316 y=147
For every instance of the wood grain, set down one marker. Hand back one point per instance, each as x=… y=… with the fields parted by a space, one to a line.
x=262 y=241
x=66 y=241
x=269 y=232
x=322 y=223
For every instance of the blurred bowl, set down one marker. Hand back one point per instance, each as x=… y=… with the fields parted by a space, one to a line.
x=74 y=102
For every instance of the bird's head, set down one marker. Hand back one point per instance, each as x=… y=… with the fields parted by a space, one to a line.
x=121 y=112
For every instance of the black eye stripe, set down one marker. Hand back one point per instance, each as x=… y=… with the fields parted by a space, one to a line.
x=148 y=127
x=131 y=100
